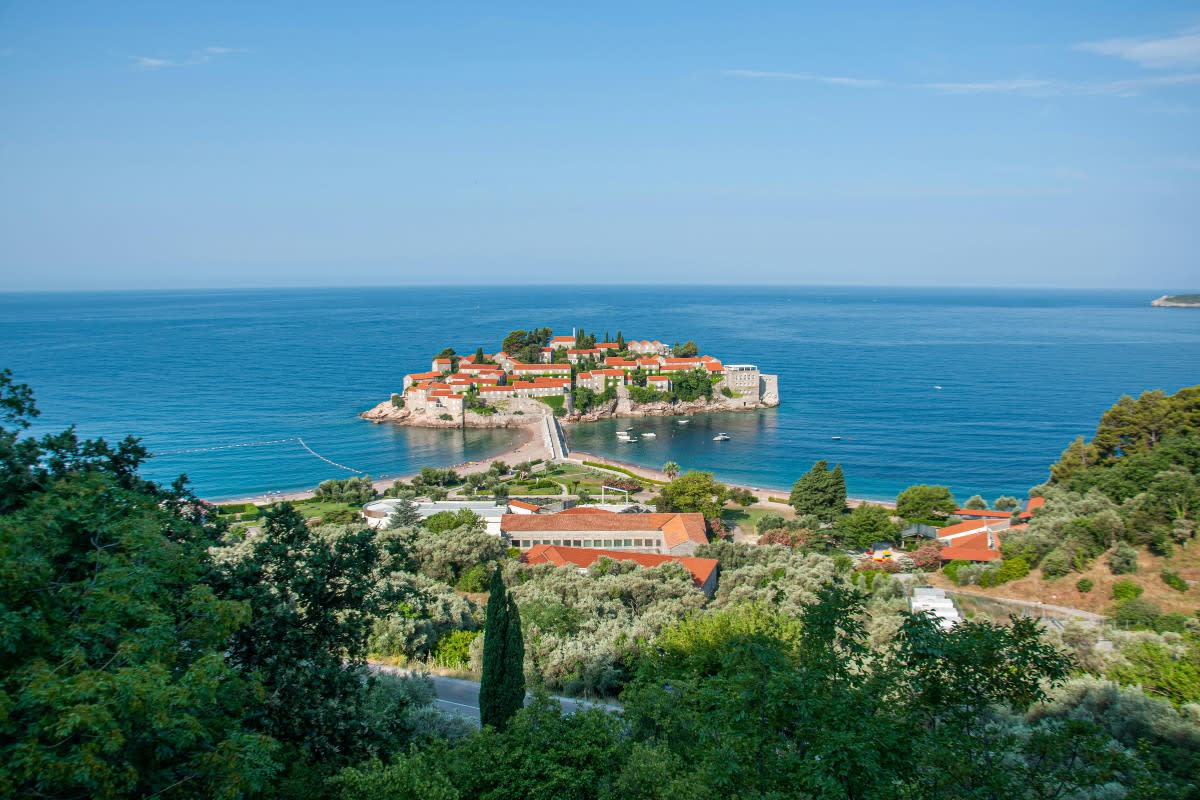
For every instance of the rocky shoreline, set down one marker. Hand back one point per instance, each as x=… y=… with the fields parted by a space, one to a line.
x=522 y=412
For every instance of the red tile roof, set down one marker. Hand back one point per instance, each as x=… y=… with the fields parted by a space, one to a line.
x=972 y=548
x=586 y=510
x=967 y=526
x=424 y=376
x=675 y=528
x=1033 y=505
x=563 y=339
x=701 y=569
x=491 y=389
x=524 y=505
x=976 y=513
x=659 y=378
x=713 y=366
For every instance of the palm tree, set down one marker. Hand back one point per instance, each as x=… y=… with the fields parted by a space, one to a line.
x=671 y=468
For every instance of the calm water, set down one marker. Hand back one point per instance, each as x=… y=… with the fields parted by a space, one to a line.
x=1022 y=373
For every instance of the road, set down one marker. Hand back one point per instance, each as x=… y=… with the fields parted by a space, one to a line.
x=461 y=697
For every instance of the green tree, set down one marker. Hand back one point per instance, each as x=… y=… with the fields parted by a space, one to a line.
x=865 y=525
x=502 y=686
x=820 y=492
x=976 y=503
x=693 y=491
x=671 y=469
x=313 y=598
x=1006 y=503
x=113 y=681
x=929 y=505
x=404 y=515
x=686 y=350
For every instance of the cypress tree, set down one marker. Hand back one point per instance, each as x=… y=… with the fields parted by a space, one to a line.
x=837 y=481
x=514 y=663
x=502 y=689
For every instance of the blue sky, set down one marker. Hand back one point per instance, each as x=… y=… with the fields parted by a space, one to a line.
x=147 y=145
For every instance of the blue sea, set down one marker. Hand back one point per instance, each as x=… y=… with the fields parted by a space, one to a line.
x=223 y=385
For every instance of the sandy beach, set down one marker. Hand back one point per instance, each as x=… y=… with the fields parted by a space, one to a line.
x=533 y=446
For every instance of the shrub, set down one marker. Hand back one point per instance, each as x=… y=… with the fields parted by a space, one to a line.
x=1084 y=585
x=927 y=556
x=1126 y=590
x=1123 y=560
x=453 y=649
x=340 y=516
x=725 y=390
x=1056 y=564
x=951 y=569
x=1012 y=569
x=445 y=417
x=397 y=400
x=473 y=579
x=1173 y=580
x=1136 y=613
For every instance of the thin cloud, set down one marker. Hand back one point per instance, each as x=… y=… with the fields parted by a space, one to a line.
x=1017 y=85
x=1182 y=49
x=835 y=80
x=1031 y=87
x=146 y=62
x=199 y=57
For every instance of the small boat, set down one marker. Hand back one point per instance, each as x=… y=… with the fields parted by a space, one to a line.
x=837 y=438
x=649 y=435
x=682 y=421
x=937 y=387
x=722 y=437
x=629 y=439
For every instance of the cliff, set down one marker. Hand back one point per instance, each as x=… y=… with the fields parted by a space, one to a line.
x=623 y=406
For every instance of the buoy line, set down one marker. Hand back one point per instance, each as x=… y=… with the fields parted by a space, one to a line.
x=326 y=460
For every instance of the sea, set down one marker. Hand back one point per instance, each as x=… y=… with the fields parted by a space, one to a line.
x=252 y=391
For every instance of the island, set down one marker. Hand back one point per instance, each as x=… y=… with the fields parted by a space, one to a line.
x=575 y=378
x=1177 y=301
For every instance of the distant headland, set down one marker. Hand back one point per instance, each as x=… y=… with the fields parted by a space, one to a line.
x=1177 y=301
x=576 y=378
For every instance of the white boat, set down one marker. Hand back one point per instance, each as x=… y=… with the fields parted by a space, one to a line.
x=629 y=439
x=722 y=437
x=682 y=421
x=837 y=438
x=649 y=435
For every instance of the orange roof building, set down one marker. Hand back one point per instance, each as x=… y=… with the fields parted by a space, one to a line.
x=1032 y=506
x=703 y=570
x=668 y=534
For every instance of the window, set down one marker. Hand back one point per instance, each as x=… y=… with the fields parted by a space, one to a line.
x=629 y=542
x=515 y=542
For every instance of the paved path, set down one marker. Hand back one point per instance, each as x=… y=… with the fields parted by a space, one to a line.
x=461 y=697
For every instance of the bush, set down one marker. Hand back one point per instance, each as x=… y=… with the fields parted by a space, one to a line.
x=453 y=649
x=1173 y=580
x=1123 y=560
x=951 y=569
x=1012 y=569
x=725 y=390
x=397 y=400
x=927 y=556
x=1136 y=613
x=445 y=417
x=1056 y=564
x=340 y=516
x=474 y=579
x=1126 y=590
x=1084 y=585
x=642 y=394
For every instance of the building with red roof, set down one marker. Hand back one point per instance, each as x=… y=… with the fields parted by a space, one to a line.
x=670 y=534
x=703 y=570
x=982 y=513
x=1032 y=506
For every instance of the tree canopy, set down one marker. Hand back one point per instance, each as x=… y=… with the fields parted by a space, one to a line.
x=820 y=492
x=926 y=504
x=693 y=491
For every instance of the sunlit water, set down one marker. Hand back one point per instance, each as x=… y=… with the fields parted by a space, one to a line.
x=1022 y=373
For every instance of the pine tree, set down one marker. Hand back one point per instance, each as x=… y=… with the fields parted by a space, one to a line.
x=820 y=492
x=502 y=689
x=837 y=483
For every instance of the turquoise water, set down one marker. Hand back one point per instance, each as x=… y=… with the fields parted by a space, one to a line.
x=1022 y=373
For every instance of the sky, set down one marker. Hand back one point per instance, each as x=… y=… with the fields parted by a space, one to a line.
x=227 y=144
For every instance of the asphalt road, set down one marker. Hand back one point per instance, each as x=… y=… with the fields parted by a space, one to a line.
x=461 y=697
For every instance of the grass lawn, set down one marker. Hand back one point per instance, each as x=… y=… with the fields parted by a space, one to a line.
x=747 y=518
x=319 y=508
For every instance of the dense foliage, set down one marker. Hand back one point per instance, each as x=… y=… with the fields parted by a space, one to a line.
x=820 y=492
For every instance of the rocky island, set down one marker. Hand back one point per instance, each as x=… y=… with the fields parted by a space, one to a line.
x=577 y=379
x=1177 y=301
